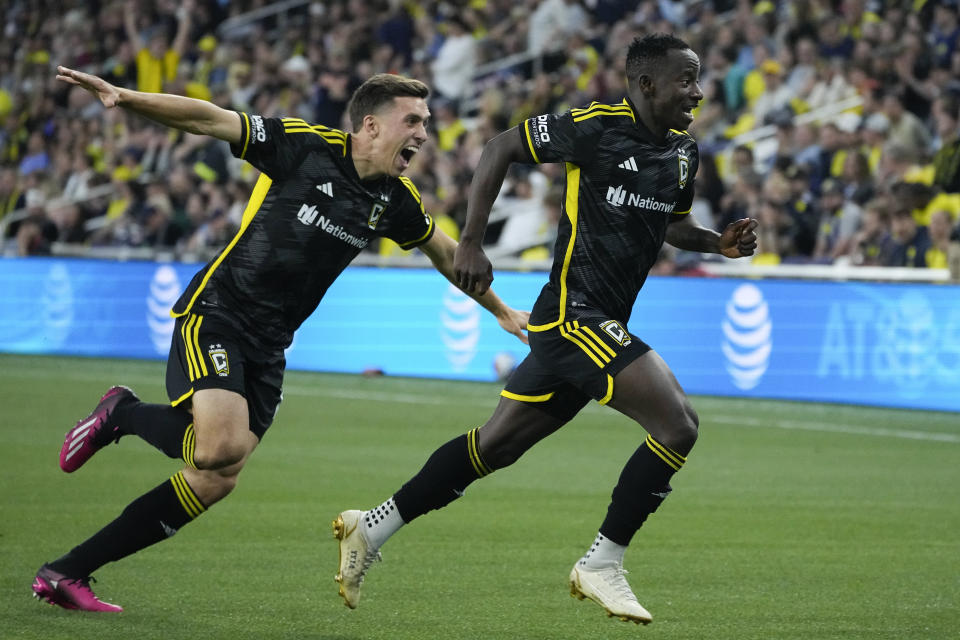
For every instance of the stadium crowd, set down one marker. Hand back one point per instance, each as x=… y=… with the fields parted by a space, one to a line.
x=874 y=181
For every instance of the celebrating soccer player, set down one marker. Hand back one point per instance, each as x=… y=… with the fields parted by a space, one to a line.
x=322 y=197
x=630 y=170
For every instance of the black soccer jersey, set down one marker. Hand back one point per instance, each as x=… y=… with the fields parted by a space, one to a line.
x=622 y=189
x=308 y=217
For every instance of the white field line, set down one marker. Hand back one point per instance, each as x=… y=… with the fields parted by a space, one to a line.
x=490 y=401
x=792 y=425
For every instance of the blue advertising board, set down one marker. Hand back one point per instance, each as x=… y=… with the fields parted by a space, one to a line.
x=862 y=343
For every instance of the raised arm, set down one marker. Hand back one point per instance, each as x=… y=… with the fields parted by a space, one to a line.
x=184 y=19
x=739 y=239
x=441 y=249
x=130 y=24
x=186 y=114
x=471 y=268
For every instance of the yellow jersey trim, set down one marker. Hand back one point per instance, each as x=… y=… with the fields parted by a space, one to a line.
x=605 y=399
x=522 y=398
x=246 y=128
x=526 y=130
x=182 y=398
x=253 y=206
x=571 y=207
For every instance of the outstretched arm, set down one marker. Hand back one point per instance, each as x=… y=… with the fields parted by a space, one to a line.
x=187 y=114
x=441 y=249
x=739 y=239
x=471 y=268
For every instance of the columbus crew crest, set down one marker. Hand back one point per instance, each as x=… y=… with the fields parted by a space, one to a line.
x=218 y=356
x=684 y=167
x=375 y=213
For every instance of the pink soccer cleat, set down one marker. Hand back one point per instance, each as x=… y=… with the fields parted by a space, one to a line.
x=69 y=593
x=93 y=432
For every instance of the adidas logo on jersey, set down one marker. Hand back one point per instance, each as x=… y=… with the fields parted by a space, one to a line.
x=629 y=164
x=326 y=188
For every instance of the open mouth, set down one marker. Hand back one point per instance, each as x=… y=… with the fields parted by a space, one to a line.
x=408 y=152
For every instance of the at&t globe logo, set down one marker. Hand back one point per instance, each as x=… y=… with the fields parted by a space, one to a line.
x=747 y=330
x=164 y=291
x=461 y=327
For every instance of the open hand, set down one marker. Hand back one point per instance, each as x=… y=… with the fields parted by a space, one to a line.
x=103 y=90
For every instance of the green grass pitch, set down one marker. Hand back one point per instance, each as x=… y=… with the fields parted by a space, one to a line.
x=790 y=520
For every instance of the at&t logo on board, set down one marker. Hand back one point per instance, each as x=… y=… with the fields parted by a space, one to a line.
x=747 y=330
x=460 y=318
x=164 y=291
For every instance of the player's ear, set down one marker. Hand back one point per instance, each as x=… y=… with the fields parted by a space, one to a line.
x=371 y=125
x=645 y=84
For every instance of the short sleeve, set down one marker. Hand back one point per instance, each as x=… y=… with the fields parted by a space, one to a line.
x=273 y=145
x=410 y=225
x=688 y=158
x=560 y=138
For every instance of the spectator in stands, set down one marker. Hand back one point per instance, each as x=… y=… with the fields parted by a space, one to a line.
x=906 y=129
x=857 y=178
x=157 y=59
x=36 y=232
x=776 y=95
x=11 y=197
x=456 y=60
x=946 y=161
x=839 y=220
x=911 y=241
x=873 y=244
x=939 y=229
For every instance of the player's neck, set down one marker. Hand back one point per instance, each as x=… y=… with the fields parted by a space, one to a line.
x=361 y=152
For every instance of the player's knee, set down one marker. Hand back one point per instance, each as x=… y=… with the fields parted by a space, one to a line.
x=218 y=454
x=687 y=430
x=501 y=455
x=682 y=432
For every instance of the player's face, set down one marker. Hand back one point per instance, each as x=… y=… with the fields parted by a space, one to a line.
x=677 y=91
x=401 y=134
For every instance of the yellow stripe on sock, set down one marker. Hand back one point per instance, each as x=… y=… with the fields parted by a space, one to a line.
x=668 y=455
x=473 y=449
x=189 y=445
x=188 y=499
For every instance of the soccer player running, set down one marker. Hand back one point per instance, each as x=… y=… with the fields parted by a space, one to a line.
x=323 y=196
x=630 y=169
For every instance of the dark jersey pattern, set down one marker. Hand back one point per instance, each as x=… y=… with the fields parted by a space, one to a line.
x=622 y=190
x=308 y=217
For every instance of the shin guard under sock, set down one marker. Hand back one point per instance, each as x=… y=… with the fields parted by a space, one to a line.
x=154 y=516
x=643 y=485
x=444 y=477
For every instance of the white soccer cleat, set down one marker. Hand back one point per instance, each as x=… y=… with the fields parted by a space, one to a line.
x=356 y=556
x=608 y=588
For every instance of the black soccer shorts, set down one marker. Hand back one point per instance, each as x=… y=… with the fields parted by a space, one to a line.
x=210 y=353
x=572 y=363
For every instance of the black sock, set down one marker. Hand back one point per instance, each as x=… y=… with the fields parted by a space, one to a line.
x=168 y=428
x=154 y=516
x=644 y=484
x=444 y=477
